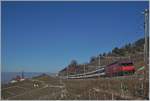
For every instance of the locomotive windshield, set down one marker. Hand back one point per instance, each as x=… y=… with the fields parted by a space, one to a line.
x=127 y=64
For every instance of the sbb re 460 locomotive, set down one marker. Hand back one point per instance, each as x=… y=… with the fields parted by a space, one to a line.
x=120 y=68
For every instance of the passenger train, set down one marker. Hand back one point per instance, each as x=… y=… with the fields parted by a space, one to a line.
x=118 y=68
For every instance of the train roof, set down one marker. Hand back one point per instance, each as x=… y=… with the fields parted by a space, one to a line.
x=121 y=61
x=125 y=61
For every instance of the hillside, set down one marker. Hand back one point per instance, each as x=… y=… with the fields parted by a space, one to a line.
x=133 y=51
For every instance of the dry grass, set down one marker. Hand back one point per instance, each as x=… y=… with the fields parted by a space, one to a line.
x=105 y=89
x=79 y=89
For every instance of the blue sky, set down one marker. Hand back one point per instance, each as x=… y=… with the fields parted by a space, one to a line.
x=46 y=36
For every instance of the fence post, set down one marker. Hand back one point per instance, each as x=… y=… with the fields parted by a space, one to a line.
x=122 y=89
x=112 y=96
x=89 y=95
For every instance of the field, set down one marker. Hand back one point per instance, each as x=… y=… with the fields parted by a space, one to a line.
x=55 y=88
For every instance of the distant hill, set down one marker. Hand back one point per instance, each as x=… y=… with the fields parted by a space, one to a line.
x=133 y=51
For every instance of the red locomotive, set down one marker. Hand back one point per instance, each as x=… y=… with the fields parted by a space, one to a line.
x=120 y=68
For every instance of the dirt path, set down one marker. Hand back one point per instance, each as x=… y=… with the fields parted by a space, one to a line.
x=63 y=89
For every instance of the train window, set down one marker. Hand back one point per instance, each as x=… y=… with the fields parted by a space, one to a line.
x=101 y=71
x=126 y=64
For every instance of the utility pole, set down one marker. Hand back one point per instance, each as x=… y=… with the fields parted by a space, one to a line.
x=84 y=70
x=146 y=30
x=146 y=34
x=67 y=72
x=75 y=71
x=22 y=75
x=99 y=62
